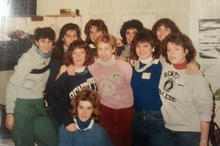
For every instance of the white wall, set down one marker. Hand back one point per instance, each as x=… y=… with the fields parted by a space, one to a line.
x=115 y=12
x=186 y=14
x=205 y=9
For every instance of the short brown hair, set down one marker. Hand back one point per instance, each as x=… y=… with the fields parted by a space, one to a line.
x=78 y=44
x=45 y=33
x=184 y=41
x=145 y=36
x=86 y=94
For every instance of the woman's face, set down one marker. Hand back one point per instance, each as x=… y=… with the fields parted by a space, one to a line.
x=44 y=44
x=130 y=34
x=69 y=37
x=105 y=51
x=79 y=57
x=94 y=33
x=84 y=110
x=144 y=50
x=162 y=32
x=176 y=53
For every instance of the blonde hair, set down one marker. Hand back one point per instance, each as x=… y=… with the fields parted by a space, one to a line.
x=106 y=38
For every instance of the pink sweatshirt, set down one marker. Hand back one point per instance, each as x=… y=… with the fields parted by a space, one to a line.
x=113 y=82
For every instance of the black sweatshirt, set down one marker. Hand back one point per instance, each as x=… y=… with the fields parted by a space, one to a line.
x=65 y=88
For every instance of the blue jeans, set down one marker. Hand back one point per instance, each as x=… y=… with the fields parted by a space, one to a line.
x=149 y=129
x=183 y=138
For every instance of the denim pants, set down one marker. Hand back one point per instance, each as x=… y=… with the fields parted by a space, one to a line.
x=149 y=129
x=183 y=138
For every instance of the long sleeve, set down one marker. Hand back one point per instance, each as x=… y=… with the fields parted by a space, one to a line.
x=28 y=80
x=65 y=137
x=202 y=98
x=54 y=70
x=103 y=139
x=61 y=102
x=22 y=69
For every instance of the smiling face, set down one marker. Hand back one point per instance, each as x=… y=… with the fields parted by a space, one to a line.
x=44 y=44
x=176 y=53
x=94 y=33
x=144 y=50
x=69 y=37
x=130 y=34
x=84 y=110
x=162 y=32
x=105 y=51
x=79 y=57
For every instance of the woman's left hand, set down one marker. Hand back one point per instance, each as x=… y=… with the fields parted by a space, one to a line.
x=203 y=143
x=70 y=70
x=193 y=68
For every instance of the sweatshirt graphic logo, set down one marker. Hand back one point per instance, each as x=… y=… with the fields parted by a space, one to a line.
x=169 y=85
x=90 y=83
x=108 y=88
x=116 y=77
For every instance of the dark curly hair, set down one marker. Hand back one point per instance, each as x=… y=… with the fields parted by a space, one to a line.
x=82 y=45
x=184 y=41
x=168 y=23
x=58 y=50
x=99 y=23
x=86 y=95
x=44 y=32
x=145 y=35
x=134 y=23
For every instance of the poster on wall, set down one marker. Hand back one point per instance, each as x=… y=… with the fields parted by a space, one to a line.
x=209 y=40
x=209 y=52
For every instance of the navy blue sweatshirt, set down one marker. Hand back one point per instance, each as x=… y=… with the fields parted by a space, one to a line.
x=145 y=87
x=66 y=87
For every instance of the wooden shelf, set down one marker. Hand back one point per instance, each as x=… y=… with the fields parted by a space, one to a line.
x=63 y=15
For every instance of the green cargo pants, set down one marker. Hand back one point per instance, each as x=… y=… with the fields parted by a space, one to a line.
x=32 y=124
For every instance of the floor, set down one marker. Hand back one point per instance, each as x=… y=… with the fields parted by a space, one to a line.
x=6 y=142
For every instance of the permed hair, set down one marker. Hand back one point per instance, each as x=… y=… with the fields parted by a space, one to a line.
x=168 y=23
x=99 y=23
x=134 y=23
x=86 y=95
x=81 y=45
x=184 y=41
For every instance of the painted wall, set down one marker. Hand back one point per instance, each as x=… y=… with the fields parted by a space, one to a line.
x=205 y=9
x=186 y=14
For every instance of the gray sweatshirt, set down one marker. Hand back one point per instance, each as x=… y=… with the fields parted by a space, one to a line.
x=186 y=99
x=29 y=78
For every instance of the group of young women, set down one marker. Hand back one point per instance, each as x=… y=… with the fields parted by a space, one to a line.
x=147 y=91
